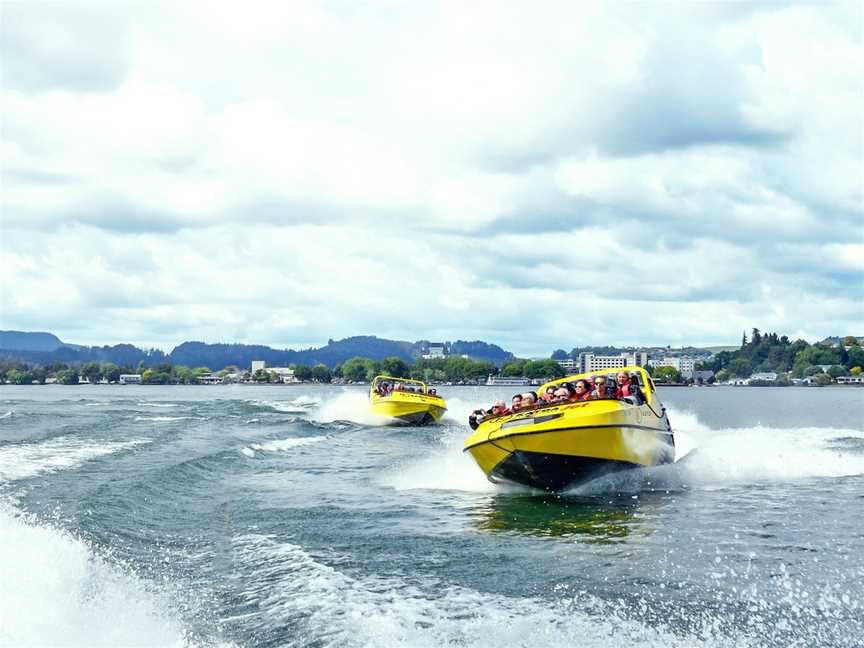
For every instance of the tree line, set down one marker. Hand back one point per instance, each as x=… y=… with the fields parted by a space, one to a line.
x=770 y=352
x=357 y=369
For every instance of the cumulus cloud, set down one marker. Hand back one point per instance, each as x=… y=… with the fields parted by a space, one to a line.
x=287 y=174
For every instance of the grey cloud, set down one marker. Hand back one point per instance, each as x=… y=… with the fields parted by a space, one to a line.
x=68 y=46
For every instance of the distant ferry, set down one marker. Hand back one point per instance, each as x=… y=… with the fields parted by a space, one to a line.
x=498 y=381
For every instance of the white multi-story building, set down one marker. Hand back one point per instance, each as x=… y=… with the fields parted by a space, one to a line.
x=568 y=365
x=590 y=362
x=283 y=374
x=257 y=364
x=684 y=364
x=434 y=351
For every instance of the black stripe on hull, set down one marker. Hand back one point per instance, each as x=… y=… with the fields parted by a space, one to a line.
x=553 y=472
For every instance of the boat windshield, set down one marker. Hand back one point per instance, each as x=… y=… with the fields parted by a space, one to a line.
x=384 y=386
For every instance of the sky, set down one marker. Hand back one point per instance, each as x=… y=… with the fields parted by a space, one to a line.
x=538 y=176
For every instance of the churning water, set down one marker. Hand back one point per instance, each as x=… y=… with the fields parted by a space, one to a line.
x=287 y=516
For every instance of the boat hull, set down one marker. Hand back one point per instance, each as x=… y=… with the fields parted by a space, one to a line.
x=416 y=409
x=561 y=446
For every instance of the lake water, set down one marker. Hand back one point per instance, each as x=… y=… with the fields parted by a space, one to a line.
x=286 y=516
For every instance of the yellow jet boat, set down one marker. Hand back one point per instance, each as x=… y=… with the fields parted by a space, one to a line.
x=407 y=400
x=551 y=447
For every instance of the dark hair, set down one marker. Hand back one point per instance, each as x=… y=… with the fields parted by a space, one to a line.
x=534 y=394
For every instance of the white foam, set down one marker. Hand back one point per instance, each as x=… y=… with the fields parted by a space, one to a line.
x=7 y=414
x=305 y=400
x=153 y=404
x=762 y=453
x=444 y=467
x=349 y=405
x=55 y=591
x=163 y=419
x=24 y=460
x=329 y=608
x=281 y=445
x=298 y=405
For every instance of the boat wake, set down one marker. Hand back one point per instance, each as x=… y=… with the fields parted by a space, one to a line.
x=285 y=585
x=762 y=453
x=349 y=405
x=24 y=460
x=57 y=591
x=705 y=457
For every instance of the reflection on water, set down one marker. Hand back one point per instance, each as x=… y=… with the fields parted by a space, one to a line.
x=599 y=520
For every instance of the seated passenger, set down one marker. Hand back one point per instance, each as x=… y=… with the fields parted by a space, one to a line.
x=548 y=396
x=529 y=399
x=628 y=386
x=562 y=395
x=433 y=392
x=477 y=416
x=516 y=403
x=581 y=390
x=599 y=390
x=499 y=408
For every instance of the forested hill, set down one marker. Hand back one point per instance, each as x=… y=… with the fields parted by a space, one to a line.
x=199 y=354
x=217 y=356
x=29 y=341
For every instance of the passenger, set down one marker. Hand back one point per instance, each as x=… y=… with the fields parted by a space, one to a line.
x=433 y=392
x=628 y=386
x=548 y=396
x=529 y=399
x=562 y=395
x=499 y=408
x=599 y=390
x=581 y=391
x=516 y=403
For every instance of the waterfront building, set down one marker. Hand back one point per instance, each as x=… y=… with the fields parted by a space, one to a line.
x=515 y=381
x=256 y=365
x=130 y=379
x=591 y=362
x=850 y=380
x=435 y=351
x=283 y=374
x=684 y=364
x=209 y=379
x=568 y=365
x=767 y=376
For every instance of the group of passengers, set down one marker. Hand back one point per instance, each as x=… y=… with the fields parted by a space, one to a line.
x=385 y=388
x=625 y=386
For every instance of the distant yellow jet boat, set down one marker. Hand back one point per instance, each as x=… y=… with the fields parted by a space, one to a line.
x=551 y=447
x=405 y=399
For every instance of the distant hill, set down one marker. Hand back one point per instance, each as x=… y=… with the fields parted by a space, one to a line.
x=217 y=356
x=29 y=341
x=481 y=351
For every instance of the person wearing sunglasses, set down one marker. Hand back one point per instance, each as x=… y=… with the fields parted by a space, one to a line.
x=581 y=391
x=599 y=390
